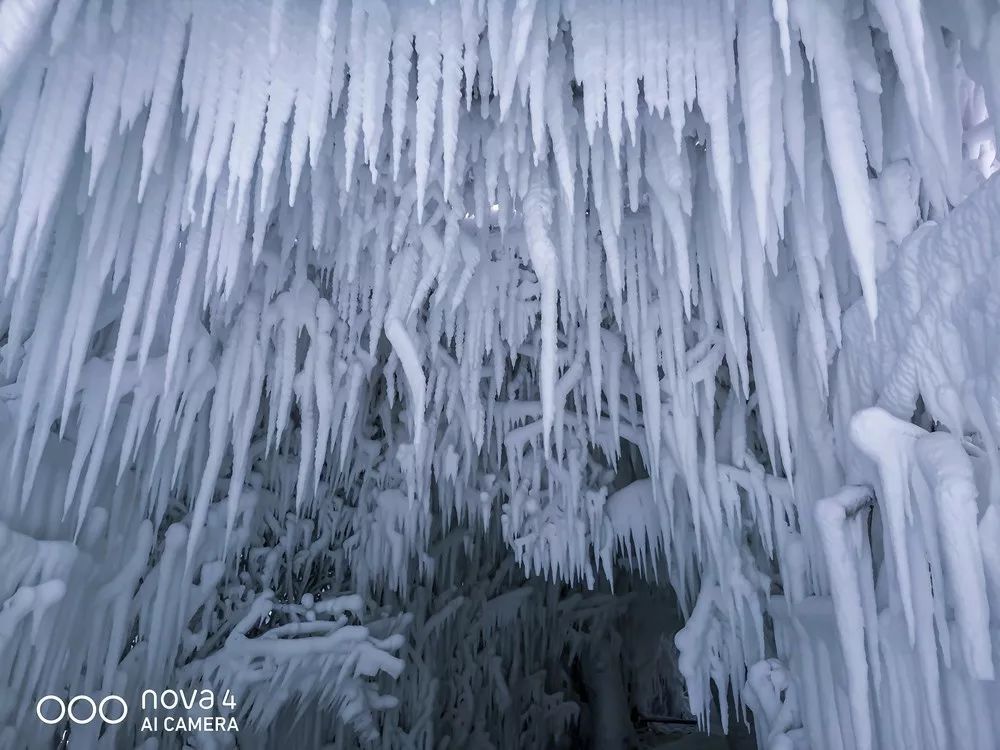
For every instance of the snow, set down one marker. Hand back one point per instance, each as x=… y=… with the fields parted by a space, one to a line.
x=391 y=414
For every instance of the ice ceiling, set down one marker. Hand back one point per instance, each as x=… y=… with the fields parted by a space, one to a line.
x=332 y=330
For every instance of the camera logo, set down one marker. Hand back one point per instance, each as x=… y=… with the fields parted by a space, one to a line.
x=81 y=709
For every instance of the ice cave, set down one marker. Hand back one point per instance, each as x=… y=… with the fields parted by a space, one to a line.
x=500 y=374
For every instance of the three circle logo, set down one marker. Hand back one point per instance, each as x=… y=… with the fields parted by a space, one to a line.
x=49 y=704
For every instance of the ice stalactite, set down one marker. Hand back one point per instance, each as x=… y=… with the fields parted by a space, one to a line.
x=339 y=299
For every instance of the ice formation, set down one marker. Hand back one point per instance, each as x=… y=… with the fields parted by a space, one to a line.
x=373 y=359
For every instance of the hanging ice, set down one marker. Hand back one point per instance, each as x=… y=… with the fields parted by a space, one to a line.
x=473 y=371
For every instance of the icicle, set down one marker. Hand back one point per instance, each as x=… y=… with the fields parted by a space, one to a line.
x=451 y=92
x=537 y=218
x=949 y=472
x=21 y=22
x=428 y=47
x=756 y=47
x=845 y=145
x=832 y=514
x=361 y=87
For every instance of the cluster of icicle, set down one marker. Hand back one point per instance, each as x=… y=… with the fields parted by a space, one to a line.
x=905 y=652
x=590 y=235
